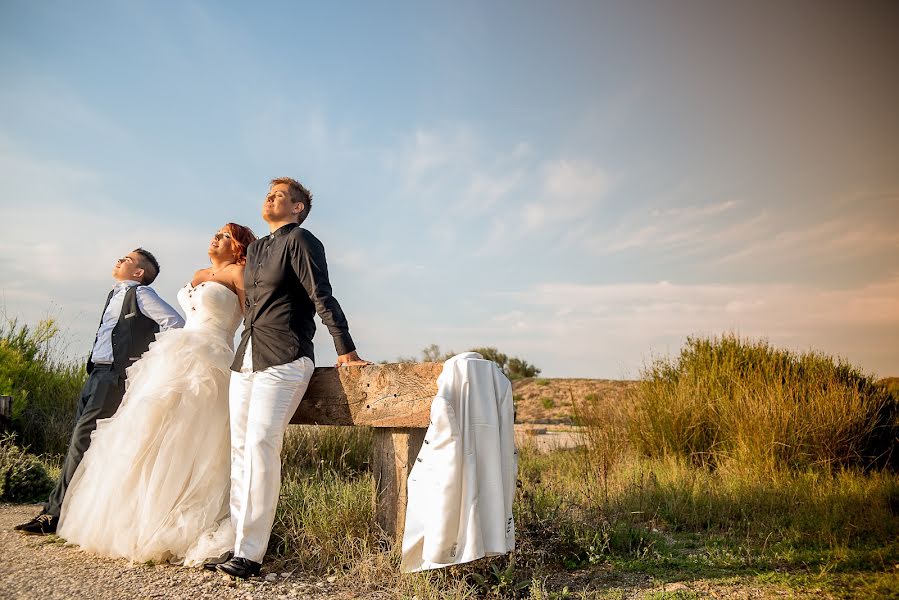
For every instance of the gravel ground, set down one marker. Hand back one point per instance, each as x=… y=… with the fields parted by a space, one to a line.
x=44 y=567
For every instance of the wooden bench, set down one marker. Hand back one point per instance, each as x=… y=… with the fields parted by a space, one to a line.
x=395 y=400
x=5 y=413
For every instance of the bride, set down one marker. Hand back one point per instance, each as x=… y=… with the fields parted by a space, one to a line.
x=154 y=483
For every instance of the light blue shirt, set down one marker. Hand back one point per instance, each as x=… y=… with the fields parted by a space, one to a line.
x=148 y=302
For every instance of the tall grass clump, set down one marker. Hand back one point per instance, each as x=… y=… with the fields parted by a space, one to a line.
x=45 y=389
x=730 y=399
x=345 y=450
x=324 y=521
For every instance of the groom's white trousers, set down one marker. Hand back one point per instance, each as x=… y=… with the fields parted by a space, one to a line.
x=262 y=405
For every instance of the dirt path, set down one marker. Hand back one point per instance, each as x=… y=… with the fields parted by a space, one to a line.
x=35 y=567
x=546 y=438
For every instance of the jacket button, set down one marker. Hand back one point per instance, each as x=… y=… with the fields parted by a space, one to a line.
x=417 y=460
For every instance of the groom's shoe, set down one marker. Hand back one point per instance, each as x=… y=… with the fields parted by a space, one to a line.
x=40 y=525
x=213 y=563
x=241 y=568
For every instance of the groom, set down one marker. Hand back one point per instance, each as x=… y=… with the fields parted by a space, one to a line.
x=286 y=282
x=132 y=317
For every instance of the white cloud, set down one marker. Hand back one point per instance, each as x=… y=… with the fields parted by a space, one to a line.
x=58 y=253
x=486 y=190
x=50 y=103
x=572 y=190
x=425 y=157
x=578 y=181
x=685 y=228
x=580 y=330
x=842 y=237
x=373 y=267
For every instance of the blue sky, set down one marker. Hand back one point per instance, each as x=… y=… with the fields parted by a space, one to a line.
x=582 y=184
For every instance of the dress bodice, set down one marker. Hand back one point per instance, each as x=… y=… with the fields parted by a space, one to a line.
x=210 y=306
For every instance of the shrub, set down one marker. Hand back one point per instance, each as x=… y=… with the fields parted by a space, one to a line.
x=547 y=403
x=728 y=398
x=23 y=478
x=45 y=391
x=512 y=366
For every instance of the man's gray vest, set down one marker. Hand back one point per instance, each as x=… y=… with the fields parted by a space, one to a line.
x=132 y=334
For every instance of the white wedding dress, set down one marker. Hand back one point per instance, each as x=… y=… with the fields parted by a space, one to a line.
x=154 y=483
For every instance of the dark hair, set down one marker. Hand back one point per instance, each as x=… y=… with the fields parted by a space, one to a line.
x=298 y=193
x=241 y=236
x=149 y=264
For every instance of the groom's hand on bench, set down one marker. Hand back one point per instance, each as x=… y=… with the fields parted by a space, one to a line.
x=351 y=359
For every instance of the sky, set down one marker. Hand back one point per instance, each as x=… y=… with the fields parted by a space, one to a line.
x=580 y=184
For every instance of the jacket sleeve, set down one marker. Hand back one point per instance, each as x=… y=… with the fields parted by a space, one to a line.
x=149 y=303
x=311 y=268
x=444 y=472
x=507 y=448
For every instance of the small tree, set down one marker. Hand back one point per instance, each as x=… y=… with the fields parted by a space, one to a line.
x=433 y=354
x=513 y=367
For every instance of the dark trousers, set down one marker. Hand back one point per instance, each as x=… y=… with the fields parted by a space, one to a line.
x=100 y=398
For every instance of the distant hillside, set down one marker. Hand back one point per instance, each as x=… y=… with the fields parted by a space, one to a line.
x=540 y=400
x=890 y=383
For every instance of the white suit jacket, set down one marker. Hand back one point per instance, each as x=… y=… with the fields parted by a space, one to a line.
x=461 y=488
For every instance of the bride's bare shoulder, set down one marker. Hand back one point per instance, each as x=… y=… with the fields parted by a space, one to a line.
x=199 y=277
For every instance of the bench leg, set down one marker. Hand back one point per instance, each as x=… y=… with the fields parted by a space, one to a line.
x=395 y=450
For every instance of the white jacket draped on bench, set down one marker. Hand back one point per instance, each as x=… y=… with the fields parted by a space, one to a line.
x=461 y=488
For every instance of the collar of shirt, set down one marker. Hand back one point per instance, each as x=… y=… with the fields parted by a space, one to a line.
x=125 y=284
x=284 y=230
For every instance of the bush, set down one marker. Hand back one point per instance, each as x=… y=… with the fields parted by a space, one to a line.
x=733 y=399
x=45 y=391
x=512 y=366
x=23 y=478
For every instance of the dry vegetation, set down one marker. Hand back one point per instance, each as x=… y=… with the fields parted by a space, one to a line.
x=560 y=401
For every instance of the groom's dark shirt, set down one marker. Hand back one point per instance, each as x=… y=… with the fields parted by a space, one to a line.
x=286 y=282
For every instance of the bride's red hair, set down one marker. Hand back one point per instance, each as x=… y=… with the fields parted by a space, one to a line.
x=241 y=237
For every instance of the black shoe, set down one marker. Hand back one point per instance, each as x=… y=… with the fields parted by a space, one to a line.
x=241 y=568
x=40 y=525
x=212 y=563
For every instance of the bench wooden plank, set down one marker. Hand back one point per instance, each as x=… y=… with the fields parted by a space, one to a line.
x=395 y=399
x=391 y=395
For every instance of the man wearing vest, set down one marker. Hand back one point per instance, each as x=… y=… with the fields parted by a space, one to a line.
x=132 y=317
